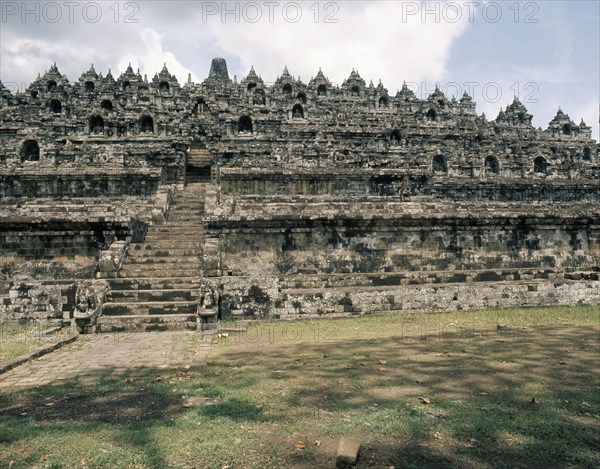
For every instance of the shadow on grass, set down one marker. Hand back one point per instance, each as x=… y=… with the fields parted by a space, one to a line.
x=529 y=401
x=126 y=411
x=236 y=410
x=479 y=408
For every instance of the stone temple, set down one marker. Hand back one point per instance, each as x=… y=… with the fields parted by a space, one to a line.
x=136 y=204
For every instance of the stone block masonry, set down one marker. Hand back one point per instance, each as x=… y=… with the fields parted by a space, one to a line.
x=242 y=199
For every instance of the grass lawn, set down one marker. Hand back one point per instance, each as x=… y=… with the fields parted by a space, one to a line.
x=20 y=339
x=447 y=390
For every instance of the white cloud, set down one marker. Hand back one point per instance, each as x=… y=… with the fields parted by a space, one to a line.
x=149 y=56
x=24 y=57
x=370 y=37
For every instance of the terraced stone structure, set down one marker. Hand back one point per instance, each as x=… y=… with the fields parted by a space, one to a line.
x=129 y=203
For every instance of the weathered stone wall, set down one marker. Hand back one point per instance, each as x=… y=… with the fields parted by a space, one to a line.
x=38 y=302
x=426 y=298
x=254 y=298
x=59 y=183
x=334 y=235
x=253 y=184
x=344 y=247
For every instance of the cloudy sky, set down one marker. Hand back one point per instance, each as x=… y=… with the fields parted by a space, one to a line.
x=545 y=52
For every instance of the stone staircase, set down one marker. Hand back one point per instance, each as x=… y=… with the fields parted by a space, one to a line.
x=198 y=164
x=158 y=285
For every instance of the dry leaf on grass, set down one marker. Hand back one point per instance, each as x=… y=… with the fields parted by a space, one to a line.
x=425 y=400
x=317 y=442
x=300 y=445
x=471 y=444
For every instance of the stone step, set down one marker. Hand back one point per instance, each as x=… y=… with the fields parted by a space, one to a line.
x=155 y=271
x=190 y=217
x=154 y=274
x=182 y=229
x=158 y=283
x=159 y=244
x=163 y=261
x=166 y=244
x=186 y=215
x=166 y=236
x=127 y=296
x=158 y=253
x=188 y=202
x=149 y=308
x=143 y=323
x=180 y=220
x=163 y=239
x=195 y=184
x=180 y=217
x=175 y=232
x=191 y=189
x=177 y=226
x=158 y=236
x=187 y=208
